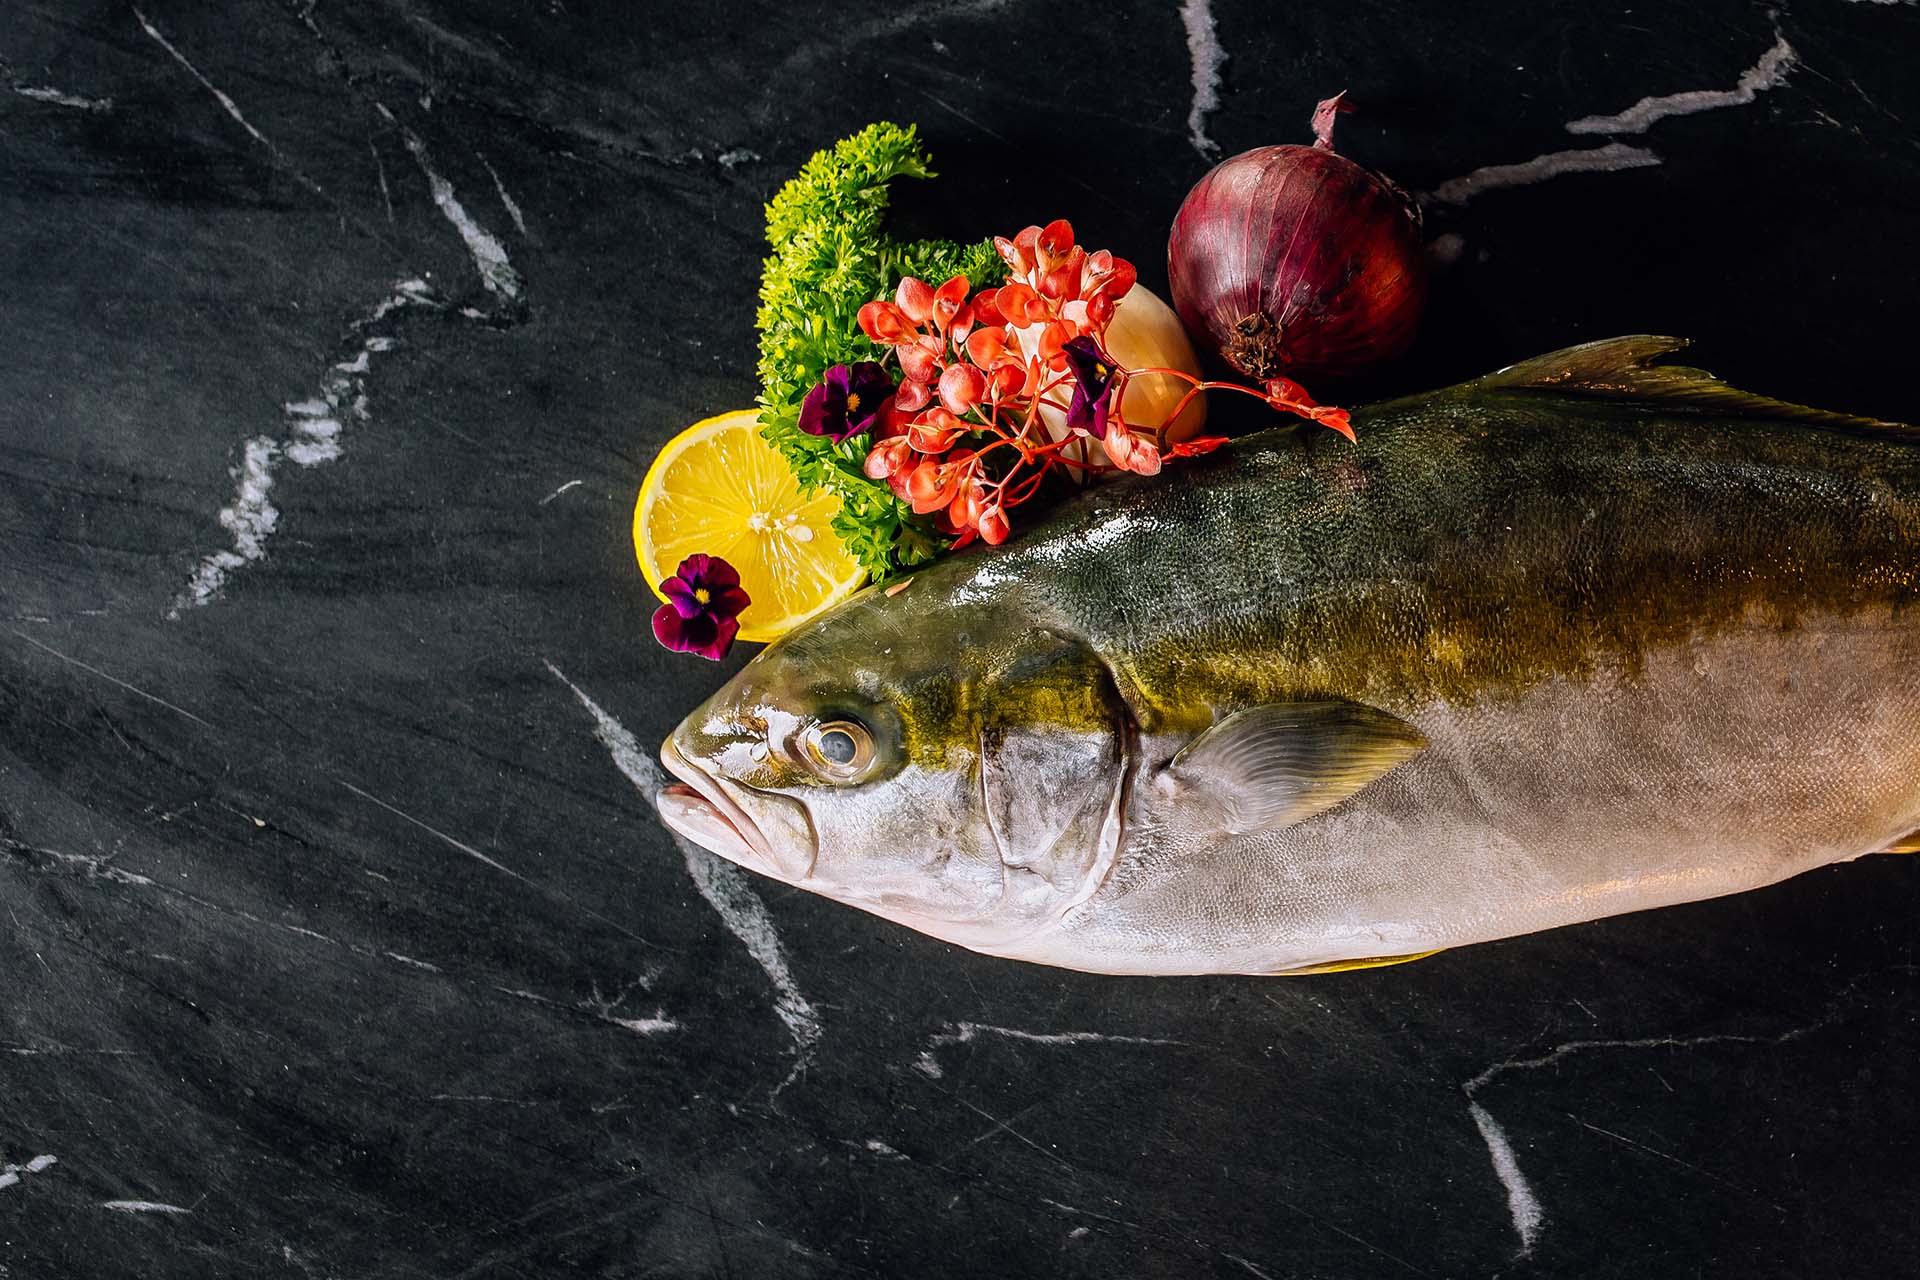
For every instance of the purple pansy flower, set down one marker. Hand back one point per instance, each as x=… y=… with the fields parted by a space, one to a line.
x=847 y=401
x=1093 y=377
x=704 y=601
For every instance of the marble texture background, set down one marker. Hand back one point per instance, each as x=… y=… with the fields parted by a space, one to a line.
x=340 y=939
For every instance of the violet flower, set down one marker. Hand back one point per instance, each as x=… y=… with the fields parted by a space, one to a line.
x=847 y=401
x=1092 y=386
x=704 y=601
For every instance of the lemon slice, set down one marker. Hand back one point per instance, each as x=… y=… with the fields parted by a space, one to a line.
x=718 y=488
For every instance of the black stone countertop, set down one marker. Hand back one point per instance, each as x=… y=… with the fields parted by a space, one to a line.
x=336 y=943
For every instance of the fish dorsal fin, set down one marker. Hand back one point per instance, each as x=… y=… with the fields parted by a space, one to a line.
x=1271 y=766
x=1628 y=369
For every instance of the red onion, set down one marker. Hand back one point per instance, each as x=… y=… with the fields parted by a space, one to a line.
x=1297 y=262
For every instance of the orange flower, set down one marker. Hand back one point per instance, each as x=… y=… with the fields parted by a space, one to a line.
x=1290 y=397
x=887 y=324
x=1129 y=452
x=993 y=525
x=961 y=387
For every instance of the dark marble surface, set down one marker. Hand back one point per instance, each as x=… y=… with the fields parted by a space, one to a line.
x=336 y=943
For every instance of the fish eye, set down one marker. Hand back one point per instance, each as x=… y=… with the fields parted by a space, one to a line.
x=838 y=750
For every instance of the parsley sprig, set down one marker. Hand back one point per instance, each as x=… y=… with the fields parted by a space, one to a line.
x=830 y=257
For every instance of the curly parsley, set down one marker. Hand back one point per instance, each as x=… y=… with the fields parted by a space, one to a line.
x=829 y=259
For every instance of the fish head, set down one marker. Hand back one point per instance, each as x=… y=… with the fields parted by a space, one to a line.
x=941 y=765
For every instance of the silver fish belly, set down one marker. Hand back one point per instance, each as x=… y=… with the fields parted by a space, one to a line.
x=1683 y=779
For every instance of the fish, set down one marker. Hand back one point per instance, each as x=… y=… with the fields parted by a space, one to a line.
x=1592 y=634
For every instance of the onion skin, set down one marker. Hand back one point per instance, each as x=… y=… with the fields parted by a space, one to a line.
x=1296 y=262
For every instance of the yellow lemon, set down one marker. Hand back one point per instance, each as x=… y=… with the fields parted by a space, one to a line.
x=718 y=488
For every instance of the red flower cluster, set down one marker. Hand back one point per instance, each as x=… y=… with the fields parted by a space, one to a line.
x=1001 y=388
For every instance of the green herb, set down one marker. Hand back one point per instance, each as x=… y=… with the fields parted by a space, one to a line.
x=829 y=259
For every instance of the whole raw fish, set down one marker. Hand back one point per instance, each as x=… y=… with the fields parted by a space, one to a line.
x=1588 y=635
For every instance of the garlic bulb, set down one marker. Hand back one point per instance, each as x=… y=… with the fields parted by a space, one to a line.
x=1144 y=334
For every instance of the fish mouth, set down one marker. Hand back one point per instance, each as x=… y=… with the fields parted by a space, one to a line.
x=700 y=809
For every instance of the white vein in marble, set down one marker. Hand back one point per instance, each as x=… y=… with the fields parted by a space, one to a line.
x=963 y=1032
x=1207 y=57
x=633 y=761
x=1523 y=1205
x=141 y=1206
x=380 y=171
x=90 y=669
x=653 y=1026
x=489 y=256
x=603 y=1008
x=506 y=201
x=104 y=869
x=729 y=891
x=1768 y=73
x=1611 y=158
x=228 y=105
x=61 y=1050
x=727 y=888
x=250 y=518
x=97 y=868
x=834 y=41
x=11 y=1174
x=60 y=98
x=310 y=434
x=431 y=830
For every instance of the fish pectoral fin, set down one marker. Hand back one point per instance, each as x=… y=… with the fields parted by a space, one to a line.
x=1267 y=767
x=1628 y=369
x=1343 y=966
x=1909 y=843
